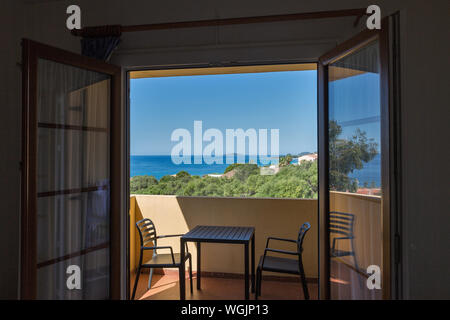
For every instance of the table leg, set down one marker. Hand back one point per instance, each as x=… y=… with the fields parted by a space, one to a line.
x=246 y=275
x=182 y=273
x=253 y=263
x=199 y=252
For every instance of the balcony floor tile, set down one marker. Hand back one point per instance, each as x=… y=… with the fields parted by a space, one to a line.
x=166 y=287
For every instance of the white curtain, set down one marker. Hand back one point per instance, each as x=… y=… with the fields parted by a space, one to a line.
x=73 y=181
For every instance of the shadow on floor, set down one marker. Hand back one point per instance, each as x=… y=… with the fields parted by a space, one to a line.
x=166 y=287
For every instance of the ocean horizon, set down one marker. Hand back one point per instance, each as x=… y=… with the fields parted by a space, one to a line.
x=162 y=165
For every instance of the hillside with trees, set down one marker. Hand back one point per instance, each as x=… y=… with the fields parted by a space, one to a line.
x=291 y=180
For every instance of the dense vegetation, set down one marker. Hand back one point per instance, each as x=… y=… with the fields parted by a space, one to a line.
x=291 y=181
x=347 y=155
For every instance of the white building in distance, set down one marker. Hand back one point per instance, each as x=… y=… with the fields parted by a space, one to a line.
x=307 y=157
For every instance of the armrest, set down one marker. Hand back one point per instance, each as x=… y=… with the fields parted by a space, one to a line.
x=171 y=236
x=333 y=247
x=281 y=251
x=161 y=247
x=279 y=239
x=278 y=251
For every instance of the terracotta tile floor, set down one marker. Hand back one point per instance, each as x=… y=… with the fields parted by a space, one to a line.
x=347 y=284
x=166 y=287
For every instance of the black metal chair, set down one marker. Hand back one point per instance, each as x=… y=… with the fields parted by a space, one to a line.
x=341 y=225
x=284 y=265
x=147 y=234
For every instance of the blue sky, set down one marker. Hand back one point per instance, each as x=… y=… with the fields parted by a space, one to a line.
x=277 y=100
x=355 y=103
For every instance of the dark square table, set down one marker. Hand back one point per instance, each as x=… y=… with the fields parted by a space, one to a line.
x=220 y=234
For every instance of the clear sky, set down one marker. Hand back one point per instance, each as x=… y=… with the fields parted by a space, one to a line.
x=274 y=100
x=355 y=103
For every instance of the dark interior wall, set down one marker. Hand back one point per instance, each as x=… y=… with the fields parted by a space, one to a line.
x=425 y=134
x=274 y=41
x=424 y=41
x=10 y=123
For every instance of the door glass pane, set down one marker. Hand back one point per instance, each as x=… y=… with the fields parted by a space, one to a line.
x=73 y=183
x=355 y=173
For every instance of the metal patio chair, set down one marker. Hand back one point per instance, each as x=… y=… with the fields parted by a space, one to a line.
x=149 y=238
x=284 y=265
x=341 y=225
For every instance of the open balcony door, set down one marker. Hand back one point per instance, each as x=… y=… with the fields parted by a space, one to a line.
x=354 y=218
x=70 y=228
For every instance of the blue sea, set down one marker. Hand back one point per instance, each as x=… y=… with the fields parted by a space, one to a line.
x=370 y=172
x=159 y=166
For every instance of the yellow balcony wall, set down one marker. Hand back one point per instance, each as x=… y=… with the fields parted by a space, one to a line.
x=270 y=217
x=368 y=230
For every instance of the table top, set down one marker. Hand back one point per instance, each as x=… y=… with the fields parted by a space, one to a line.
x=219 y=234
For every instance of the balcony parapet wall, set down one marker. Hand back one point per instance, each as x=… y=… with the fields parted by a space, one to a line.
x=270 y=217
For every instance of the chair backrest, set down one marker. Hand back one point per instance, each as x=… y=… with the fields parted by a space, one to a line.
x=147 y=232
x=301 y=235
x=342 y=223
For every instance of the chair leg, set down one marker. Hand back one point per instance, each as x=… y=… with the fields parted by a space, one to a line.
x=190 y=274
x=258 y=282
x=150 y=279
x=361 y=280
x=303 y=279
x=136 y=282
x=182 y=282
